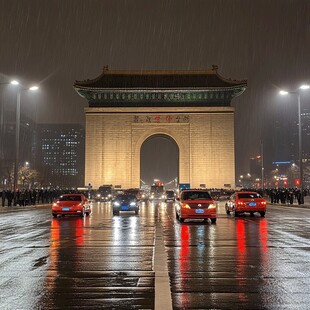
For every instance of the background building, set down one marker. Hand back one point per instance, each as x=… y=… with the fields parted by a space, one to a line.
x=60 y=154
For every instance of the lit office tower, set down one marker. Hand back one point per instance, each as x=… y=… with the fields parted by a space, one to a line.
x=61 y=154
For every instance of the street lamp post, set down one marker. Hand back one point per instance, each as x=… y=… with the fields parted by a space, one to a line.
x=301 y=176
x=262 y=164
x=17 y=132
x=17 y=125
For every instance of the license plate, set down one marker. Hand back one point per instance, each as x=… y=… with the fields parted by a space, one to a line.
x=65 y=209
x=252 y=204
x=199 y=210
x=124 y=208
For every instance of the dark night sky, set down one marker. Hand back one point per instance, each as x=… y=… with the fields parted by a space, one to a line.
x=267 y=42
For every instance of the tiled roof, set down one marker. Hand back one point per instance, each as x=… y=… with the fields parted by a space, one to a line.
x=158 y=79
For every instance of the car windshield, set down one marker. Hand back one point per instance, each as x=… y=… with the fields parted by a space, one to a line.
x=196 y=196
x=70 y=198
x=249 y=195
x=125 y=197
x=132 y=191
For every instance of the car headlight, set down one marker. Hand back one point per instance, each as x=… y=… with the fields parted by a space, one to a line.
x=132 y=204
x=143 y=196
x=98 y=195
x=152 y=196
x=212 y=206
x=116 y=204
x=109 y=195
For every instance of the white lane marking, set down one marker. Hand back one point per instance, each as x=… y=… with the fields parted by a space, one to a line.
x=163 y=298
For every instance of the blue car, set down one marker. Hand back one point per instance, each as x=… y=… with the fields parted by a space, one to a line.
x=125 y=203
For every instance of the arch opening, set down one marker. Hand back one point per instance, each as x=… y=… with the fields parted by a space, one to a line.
x=159 y=160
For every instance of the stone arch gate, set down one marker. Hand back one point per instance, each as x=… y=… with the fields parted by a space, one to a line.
x=191 y=107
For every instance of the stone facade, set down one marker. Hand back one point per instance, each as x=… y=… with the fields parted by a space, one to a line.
x=204 y=135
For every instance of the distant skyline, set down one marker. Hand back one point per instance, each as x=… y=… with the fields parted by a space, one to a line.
x=266 y=42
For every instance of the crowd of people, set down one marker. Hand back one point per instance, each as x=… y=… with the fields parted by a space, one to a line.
x=286 y=195
x=26 y=197
x=274 y=195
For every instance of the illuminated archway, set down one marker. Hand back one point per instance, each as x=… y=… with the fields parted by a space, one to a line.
x=159 y=159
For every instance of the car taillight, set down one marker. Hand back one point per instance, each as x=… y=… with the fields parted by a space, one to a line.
x=212 y=206
x=263 y=202
x=240 y=203
x=185 y=206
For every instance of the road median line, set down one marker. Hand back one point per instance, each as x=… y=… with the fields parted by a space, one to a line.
x=163 y=298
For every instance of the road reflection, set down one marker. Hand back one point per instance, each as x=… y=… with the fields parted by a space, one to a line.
x=66 y=256
x=184 y=252
x=252 y=254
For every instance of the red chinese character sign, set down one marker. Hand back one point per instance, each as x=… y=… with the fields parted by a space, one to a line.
x=161 y=118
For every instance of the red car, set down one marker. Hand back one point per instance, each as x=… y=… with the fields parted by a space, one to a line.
x=71 y=204
x=241 y=202
x=195 y=204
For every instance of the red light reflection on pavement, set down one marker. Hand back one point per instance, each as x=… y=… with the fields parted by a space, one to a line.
x=255 y=235
x=184 y=260
x=79 y=231
x=240 y=236
x=263 y=235
x=241 y=257
x=55 y=233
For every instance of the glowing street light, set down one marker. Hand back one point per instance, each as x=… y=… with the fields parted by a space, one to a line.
x=14 y=82
x=283 y=92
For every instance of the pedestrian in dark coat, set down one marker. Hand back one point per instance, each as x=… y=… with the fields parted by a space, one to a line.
x=9 y=196
x=3 y=197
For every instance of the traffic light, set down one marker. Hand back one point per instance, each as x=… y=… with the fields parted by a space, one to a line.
x=297 y=182
x=285 y=182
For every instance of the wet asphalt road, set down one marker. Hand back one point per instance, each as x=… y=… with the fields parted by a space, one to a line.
x=106 y=261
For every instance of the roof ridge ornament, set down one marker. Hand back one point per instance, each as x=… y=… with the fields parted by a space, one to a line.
x=105 y=69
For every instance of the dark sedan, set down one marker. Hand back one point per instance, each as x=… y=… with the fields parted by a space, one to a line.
x=125 y=203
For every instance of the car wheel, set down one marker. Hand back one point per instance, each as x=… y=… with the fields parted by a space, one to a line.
x=227 y=211
x=115 y=212
x=213 y=221
x=181 y=219
x=236 y=213
x=251 y=213
x=206 y=220
x=262 y=214
x=54 y=215
x=87 y=213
